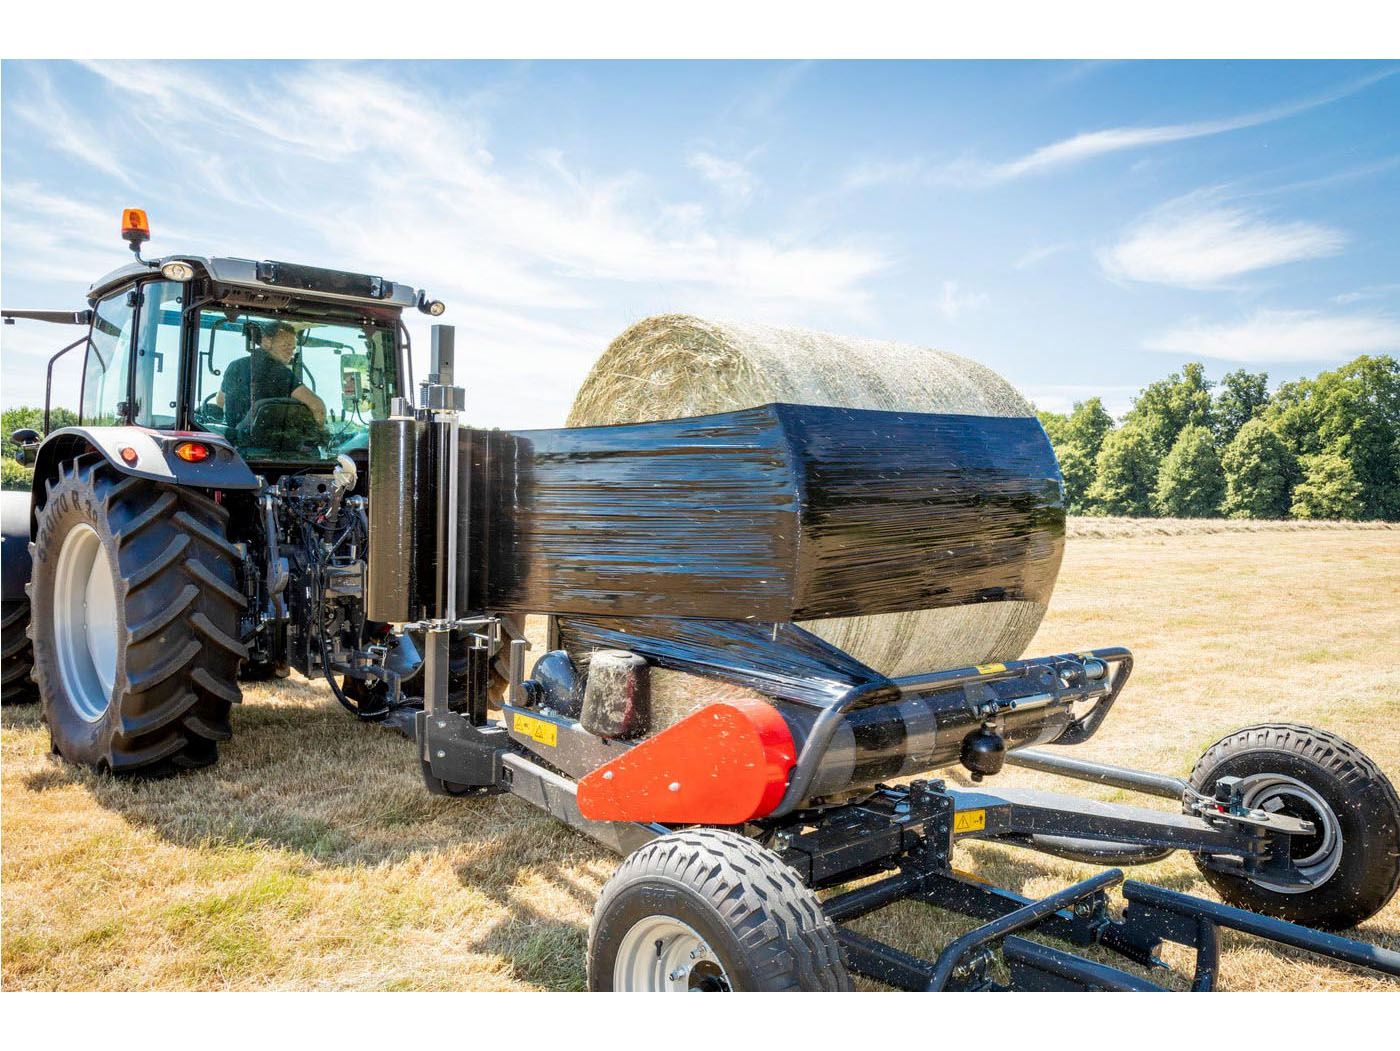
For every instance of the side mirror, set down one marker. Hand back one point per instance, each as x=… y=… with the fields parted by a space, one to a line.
x=26 y=438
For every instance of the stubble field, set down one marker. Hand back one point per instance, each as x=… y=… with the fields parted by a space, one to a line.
x=311 y=857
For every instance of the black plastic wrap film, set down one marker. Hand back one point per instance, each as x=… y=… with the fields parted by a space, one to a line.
x=771 y=515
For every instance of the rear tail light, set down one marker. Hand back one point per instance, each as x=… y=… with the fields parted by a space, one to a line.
x=192 y=452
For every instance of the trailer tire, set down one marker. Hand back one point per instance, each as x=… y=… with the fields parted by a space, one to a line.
x=145 y=686
x=1315 y=775
x=19 y=685
x=731 y=913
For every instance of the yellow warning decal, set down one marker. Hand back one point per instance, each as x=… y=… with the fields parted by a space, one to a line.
x=970 y=821
x=536 y=729
x=990 y=669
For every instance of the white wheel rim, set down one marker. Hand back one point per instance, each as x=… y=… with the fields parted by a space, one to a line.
x=1276 y=793
x=660 y=954
x=85 y=622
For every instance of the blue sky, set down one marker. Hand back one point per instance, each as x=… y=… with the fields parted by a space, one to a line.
x=1082 y=228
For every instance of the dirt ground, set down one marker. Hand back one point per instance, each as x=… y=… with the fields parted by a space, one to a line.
x=311 y=858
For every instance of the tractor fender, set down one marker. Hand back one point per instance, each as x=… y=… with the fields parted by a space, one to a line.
x=148 y=454
x=15 y=562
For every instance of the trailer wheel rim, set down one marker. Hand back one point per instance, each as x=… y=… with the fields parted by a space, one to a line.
x=85 y=622
x=661 y=954
x=1316 y=856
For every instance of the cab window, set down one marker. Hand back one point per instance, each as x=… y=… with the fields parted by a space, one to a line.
x=158 y=355
x=106 y=372
x=283 y=388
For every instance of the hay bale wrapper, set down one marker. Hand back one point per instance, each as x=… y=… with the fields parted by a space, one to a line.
x=251 y=491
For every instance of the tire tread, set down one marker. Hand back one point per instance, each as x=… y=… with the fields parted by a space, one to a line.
x=787 y=939
x=178 y=618
x=1363 y=781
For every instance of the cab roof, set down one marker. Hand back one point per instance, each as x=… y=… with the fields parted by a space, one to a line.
x=341 y=286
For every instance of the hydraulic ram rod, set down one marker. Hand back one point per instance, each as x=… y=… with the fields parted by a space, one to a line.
x=1100 y=773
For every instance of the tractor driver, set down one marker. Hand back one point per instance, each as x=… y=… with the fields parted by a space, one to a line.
x=249 y=380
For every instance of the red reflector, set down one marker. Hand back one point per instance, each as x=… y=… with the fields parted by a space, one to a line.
x=192 y=452
x=723 y=765
x=128 y=454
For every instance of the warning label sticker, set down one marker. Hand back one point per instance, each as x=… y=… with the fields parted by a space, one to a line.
x=970 y=821
x=536 y=729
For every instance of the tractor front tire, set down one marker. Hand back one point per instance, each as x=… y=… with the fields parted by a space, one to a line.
x=19 y=685
x=707 y=910
x=1353 y=857
x=136 y=621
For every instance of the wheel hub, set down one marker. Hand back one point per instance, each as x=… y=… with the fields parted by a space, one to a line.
x=1317 y=855
x=85 y=622
x=661 y=954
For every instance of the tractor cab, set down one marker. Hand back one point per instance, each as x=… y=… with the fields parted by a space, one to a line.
x=287 y=363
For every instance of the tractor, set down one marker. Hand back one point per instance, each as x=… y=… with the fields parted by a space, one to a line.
x=252 y=490
x=205 y=523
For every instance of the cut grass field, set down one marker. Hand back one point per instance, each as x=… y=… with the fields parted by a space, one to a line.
x=311 y=857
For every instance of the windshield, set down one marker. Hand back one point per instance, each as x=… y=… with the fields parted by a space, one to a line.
x=285 y=388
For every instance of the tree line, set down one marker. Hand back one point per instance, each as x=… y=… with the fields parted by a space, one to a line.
x=1326 y=447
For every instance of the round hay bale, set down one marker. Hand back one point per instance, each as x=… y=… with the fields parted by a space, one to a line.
x=674 y=365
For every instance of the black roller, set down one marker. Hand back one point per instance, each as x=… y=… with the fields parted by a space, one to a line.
x=397 y=484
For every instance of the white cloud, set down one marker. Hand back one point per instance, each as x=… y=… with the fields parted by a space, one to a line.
x=526 y=235
x=1284 y=336
x=1197 y=244
x=732 y=178
x=540 y=263
x=954 y=301
x=1087 y=145
x=1360 y=295
x=1036 y=256
x=65 y=131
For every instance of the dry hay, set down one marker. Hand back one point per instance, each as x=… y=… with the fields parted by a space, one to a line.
x=673 y=366
x=1117 y=528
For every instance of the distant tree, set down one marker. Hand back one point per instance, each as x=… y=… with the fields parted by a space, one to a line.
x=1077 y=439
x=1055 y=424
x=1077 y=470
x=1330 y=488
x=33 y=417
x=1190 y=483
x=1240 y=397
x=1166 y=407
x=1354 y=412
x=1125 y=473
x=1088 y=425
x=1260 y=472
x=14 y=475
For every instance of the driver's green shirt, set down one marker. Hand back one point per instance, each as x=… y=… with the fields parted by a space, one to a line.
x=269 y=379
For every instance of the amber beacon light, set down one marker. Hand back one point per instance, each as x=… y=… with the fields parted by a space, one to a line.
x=136 y=228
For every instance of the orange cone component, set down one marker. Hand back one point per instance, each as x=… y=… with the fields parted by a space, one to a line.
x=726 y=764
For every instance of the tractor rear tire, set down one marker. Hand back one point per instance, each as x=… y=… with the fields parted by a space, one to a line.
x=19 y=685
x=1353 y=857
x=710 y=910
x=136 y=621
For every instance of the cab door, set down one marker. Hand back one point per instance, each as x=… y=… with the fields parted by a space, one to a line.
x=106 y=394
